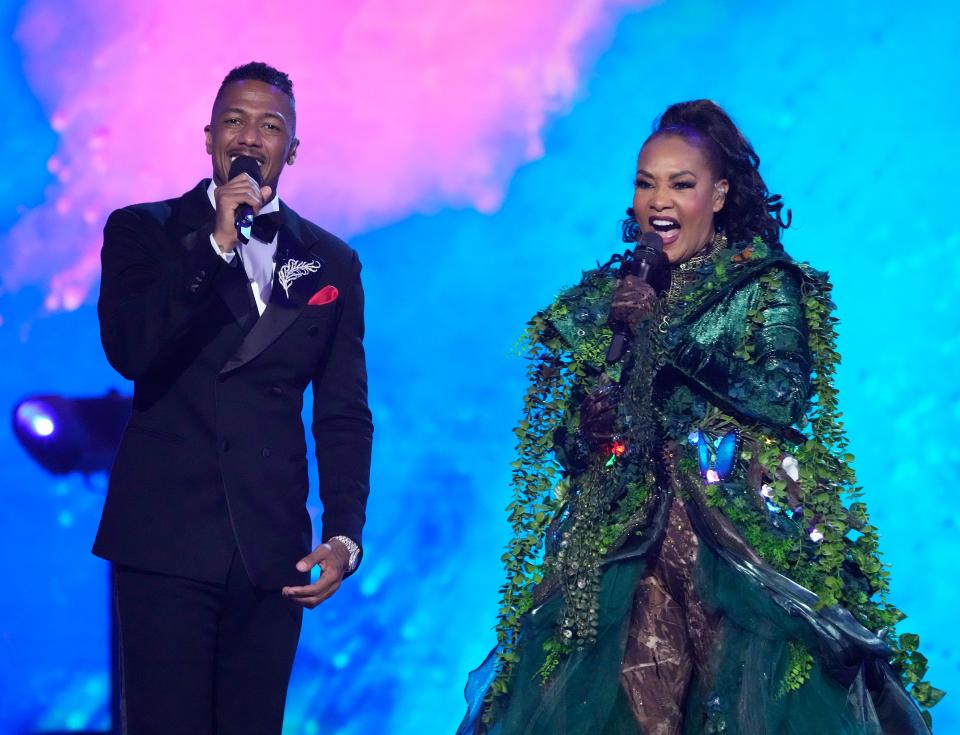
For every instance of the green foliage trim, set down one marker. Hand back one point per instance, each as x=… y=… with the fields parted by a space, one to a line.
x=912 y=667
x=534 y=476
x=799 y=667
x=554 y=652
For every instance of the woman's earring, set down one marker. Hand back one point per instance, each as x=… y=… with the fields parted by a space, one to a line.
x=721 y=193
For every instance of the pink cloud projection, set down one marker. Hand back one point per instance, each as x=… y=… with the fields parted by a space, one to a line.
x=402 y=107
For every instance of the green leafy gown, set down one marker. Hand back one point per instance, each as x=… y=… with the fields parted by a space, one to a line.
x=713 y=569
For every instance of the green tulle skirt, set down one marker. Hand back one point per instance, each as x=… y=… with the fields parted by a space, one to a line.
x=777 y=666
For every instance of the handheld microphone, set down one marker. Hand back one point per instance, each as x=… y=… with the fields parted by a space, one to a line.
x=243 y=214
x=647 y=255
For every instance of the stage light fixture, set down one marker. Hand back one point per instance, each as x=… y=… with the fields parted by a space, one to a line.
x=65 y=435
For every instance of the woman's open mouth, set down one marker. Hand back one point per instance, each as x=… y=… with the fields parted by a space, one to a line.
x=667 y=227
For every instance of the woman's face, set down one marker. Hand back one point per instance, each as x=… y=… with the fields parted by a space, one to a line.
x=676 y=195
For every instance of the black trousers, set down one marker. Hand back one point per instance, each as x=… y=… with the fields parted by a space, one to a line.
x=203 y=659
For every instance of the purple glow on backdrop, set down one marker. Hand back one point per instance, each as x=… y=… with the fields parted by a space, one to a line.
x=401 y=108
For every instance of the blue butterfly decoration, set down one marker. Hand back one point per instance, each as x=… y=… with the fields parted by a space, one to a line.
x=718 y=458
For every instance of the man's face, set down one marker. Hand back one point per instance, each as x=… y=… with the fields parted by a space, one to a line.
x=253 y=119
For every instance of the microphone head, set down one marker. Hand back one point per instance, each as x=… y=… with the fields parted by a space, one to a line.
x=651 y=242
x=246 y=165
x=648 y=255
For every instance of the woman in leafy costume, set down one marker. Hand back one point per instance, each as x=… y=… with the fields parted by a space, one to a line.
x=690 y=552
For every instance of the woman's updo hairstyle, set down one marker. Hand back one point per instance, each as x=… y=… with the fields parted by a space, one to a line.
x=749 y=209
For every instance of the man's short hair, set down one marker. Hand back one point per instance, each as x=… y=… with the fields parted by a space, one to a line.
x=257 y=71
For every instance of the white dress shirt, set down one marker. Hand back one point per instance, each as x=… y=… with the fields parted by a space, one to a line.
x=258 y=257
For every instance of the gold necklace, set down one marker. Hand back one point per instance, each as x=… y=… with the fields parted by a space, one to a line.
x=685 y=273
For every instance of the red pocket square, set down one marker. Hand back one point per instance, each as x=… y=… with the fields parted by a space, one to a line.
x=324 y=296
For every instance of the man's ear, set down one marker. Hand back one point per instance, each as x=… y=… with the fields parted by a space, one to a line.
x=292 y=153
x=208 y=134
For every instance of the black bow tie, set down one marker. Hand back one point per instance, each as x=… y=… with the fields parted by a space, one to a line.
x=265 y=227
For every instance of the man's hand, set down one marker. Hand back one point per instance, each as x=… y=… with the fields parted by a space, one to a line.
x=239 y=190
x=334 y=559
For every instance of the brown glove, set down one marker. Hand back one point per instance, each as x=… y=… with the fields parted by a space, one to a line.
x=598 y=415
x=632 y=302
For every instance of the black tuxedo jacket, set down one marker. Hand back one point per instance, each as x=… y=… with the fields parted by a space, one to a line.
x=214 y=456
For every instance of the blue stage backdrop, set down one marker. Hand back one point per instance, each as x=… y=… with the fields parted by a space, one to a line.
x=853 y=107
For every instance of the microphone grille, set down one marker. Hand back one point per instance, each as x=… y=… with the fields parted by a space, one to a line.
x=651 y=241
x=246 y=165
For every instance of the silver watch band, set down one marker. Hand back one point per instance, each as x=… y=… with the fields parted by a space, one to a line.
x=352 y=547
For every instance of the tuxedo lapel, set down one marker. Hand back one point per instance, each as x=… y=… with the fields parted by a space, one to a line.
x=195 y=208
x=296 y=276
x=234 y=289
x=196 y=217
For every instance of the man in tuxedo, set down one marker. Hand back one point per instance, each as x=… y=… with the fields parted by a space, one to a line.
x=221 y=331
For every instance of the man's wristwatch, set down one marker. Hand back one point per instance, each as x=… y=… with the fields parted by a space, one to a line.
x=352 y=548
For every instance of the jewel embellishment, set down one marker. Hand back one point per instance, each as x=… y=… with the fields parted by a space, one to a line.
x=294 y=269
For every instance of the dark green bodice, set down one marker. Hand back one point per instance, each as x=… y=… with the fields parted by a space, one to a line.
x=748 y=348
